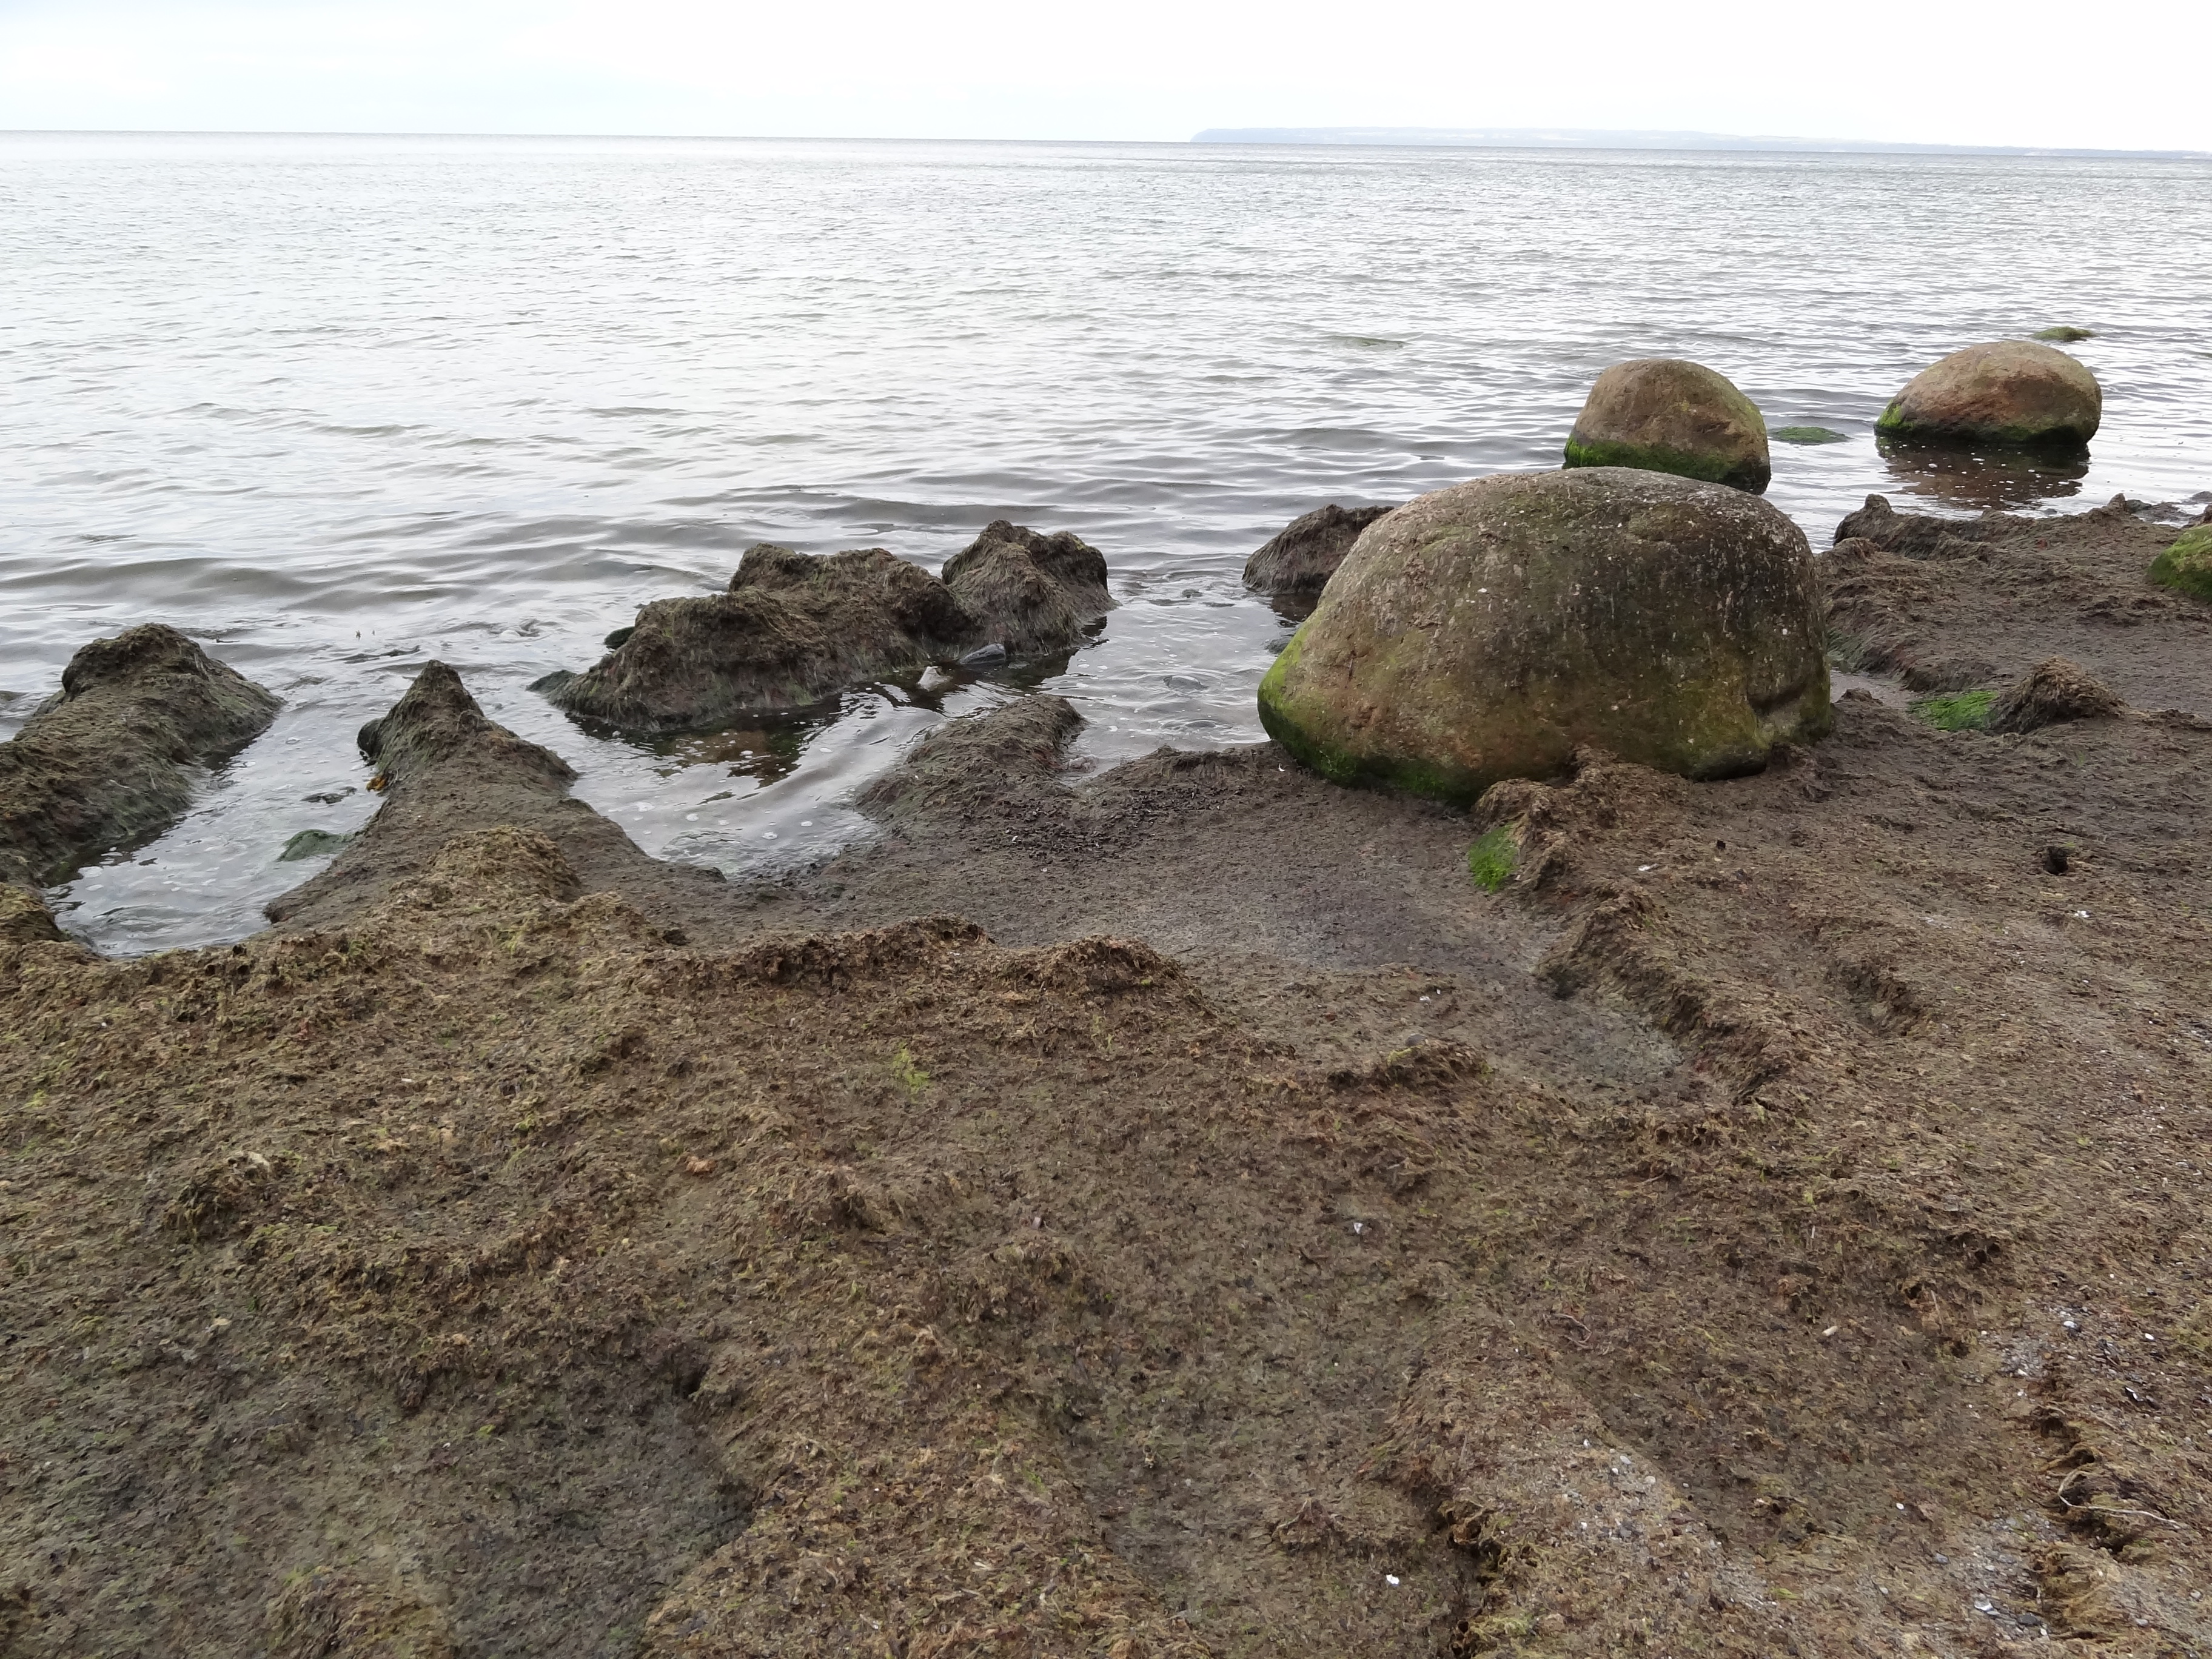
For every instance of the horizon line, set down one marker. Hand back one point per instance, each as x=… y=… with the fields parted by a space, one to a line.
x=1537 y=138
x=1554 y=137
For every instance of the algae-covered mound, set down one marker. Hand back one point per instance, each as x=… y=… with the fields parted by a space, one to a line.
x=106 y=761
x=795 y=630
x=2186 y=567
x=1027 y=591
x=1302 y=555
x=1487 y=630
x=1665 y=414
x=2013 y=392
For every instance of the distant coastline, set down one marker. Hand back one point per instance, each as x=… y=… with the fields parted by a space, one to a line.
x=1588 y=138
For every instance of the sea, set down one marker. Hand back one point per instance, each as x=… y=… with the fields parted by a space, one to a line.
x=339 y=406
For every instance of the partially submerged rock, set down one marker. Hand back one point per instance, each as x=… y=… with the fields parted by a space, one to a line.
x=2186 y=566
x=2055 y=691
x=2013 y=392
x=793 y=629
x=1666 y=415
x=1028 y=592
x=448 y=772
x=1487 y=630
x=107 y=762
x=1304 y=554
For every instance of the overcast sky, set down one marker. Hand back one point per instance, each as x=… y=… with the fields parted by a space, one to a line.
x=1952 y=71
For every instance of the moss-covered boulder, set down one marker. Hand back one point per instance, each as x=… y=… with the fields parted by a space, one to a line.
x=1487 y=630
x=2012 y=393
x=1666 y=414
x=2186 y=566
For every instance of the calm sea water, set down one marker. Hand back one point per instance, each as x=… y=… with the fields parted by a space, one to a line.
x=339 y=406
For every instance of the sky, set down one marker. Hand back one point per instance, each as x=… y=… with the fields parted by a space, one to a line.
x=2031 y=72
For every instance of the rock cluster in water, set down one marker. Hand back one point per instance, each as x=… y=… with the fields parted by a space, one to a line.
x=1301 y=557
x=1666 y=415
x=793 y=630
x=2012 y=393
x=105 y=761
x=1490 y=629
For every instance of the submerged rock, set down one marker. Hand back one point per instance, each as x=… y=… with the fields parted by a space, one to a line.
x=1487 y=630
x=2186 y=566
x=1302 y=555
x=793 y=629
x=106 y=761
x=2065 y=334
x=2012 y=393
x=1808 y=435
x=1666 y=415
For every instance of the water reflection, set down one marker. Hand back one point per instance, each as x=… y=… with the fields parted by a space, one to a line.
x=1979 y=479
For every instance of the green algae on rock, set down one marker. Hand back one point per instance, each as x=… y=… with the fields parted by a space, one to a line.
x=1666 y=415
x=2010 y=392
x=2186 y=566
x=1806 y=434
x=1488 y=630
x=2064 y=334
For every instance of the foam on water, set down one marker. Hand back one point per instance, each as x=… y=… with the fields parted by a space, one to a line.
x=338 y=406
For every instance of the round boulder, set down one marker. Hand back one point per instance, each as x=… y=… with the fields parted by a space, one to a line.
x=1664 y=414
x=2013 y=392
x=1488 y=630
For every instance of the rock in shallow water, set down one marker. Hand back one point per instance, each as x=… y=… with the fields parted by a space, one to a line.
x=793 y=629
x=105 y=762
x=1302 y=556
x=2011 y=392
x=1666 y=415
x=1488 y=630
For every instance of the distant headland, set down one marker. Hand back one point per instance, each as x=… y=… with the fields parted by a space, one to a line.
x=1590 y=138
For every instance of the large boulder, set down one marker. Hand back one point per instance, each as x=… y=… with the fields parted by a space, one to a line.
x=1304 y=554
x=2012 y=393
x=793 y=629
x=1488 y=630
x=1666 y=414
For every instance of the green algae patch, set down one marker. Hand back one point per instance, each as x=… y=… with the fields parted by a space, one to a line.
x=2063 y=334
x=1806 y=434
x=1492 y=858
x=2186 y=566
x=1956 y=711
x=1651 y=458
